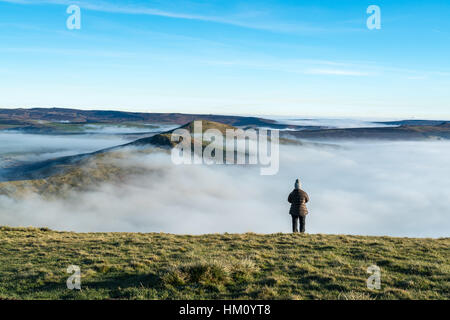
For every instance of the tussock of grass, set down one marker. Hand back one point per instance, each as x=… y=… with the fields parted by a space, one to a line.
x=33 y=265
x=211 y=273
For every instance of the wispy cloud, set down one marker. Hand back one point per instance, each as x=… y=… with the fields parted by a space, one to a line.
x=416 y=77
x=301 y=66
x=328 y=68
x=337 y=72
x=102 y=6
x=70 y=52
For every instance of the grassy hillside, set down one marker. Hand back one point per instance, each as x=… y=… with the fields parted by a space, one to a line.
x=82 y=175
x=33 y=264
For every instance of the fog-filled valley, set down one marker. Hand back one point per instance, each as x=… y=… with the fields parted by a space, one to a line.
x=368 y=187
x=17 y=146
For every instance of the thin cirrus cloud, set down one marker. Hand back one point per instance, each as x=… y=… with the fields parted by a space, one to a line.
x=140 y=10
x=337 y=72
x=302 y=66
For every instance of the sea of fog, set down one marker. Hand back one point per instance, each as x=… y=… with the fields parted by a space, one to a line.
x=332 y=123
x=366 y=188
x=16 y=146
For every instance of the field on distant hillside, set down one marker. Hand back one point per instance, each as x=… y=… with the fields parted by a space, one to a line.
x=33 y=265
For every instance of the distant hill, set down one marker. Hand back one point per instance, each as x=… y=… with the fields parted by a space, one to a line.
x=441 y=130
x=60 y=166
x=52 y=167
x=41 y=118
x=164 y=139
x=62 y=120
x=66 y=171
x=414 y=122
x=79 y=172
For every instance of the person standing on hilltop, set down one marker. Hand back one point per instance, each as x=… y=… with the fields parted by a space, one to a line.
x=298 y=199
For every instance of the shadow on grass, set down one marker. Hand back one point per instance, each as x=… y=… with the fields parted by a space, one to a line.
x=113 y=286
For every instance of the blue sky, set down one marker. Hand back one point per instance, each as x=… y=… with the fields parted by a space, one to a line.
x=297 y=58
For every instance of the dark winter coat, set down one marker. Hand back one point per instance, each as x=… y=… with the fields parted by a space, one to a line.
x=298 y=199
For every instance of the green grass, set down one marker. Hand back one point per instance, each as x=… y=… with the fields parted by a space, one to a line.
x=33 y=265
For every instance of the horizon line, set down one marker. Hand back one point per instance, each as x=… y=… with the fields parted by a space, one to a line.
x=304 y=117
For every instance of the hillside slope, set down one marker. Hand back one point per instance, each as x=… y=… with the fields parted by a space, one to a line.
x=57 y=169
x=164 y=139
x=33 y=265
x=82 y=173
x=96 y=167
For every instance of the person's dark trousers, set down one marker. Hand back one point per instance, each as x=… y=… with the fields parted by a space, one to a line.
x=295 y=223
x=302 y=223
